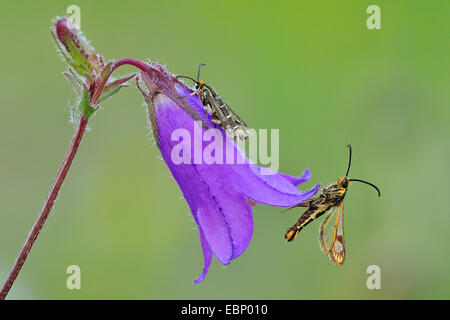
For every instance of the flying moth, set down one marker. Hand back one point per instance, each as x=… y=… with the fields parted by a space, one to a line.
x=330 y=201
x=220 y=112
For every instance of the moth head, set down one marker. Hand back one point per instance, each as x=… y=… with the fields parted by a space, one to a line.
x=343 y=182
x=199 y=84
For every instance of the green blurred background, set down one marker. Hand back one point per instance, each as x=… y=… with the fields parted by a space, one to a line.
x=311 y=69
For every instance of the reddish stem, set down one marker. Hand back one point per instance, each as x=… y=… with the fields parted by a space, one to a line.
x=62 y=172
x=124 y=61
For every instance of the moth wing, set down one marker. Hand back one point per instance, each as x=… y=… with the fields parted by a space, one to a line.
x=221 y=109
x=326 y=231
x=229 y=120
x=224 y=116
x=331 y=235
x=239 y=126
x=211 y=106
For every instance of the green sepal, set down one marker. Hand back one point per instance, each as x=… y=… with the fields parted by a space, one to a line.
x=109 y=93
x=77 y=61
x=114 y=86
x=85 y=107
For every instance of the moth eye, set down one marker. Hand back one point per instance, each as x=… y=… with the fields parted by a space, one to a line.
x=345 y=184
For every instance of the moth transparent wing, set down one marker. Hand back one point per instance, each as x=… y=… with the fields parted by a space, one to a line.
x=326 y=231
x=221 y=109
x=331 y=235
x=241 y=131
x=228 y=120
x=238 y=119
x=223 y=115
x=337 y=254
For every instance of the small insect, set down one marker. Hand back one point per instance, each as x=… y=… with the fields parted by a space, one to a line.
x=220 y=112
x=331 y=232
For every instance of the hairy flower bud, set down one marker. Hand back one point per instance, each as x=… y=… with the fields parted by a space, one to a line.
x=77 y=51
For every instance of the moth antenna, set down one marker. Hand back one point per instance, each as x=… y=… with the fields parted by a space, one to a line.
x=349 y=159
x=198 y=72
x=370 y=184
x=186 y=77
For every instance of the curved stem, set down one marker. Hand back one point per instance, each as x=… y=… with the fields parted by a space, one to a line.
x=61 y=175
x=124 y=61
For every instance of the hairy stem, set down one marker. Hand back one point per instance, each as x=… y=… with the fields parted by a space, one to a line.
x=61 y=175
x=124 y=61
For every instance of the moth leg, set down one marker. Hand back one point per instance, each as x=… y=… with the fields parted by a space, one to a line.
x=190 y=95
x=303 y=205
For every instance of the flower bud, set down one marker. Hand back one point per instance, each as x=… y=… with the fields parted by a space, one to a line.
x=80 y=55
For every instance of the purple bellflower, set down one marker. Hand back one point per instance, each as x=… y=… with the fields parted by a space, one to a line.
x=220 y=193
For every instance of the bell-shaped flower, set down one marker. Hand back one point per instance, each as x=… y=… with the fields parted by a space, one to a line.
x=218 y=181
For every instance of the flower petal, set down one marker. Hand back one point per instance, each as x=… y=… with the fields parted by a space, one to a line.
x=273 y=189
x=232 y=205
x=207 y=254
x=297 y=180
x=221 y=210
